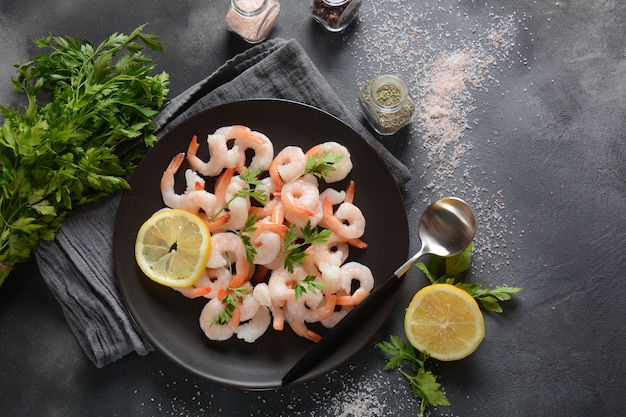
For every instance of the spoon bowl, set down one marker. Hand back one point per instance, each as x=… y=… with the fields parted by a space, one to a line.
x=446 y=228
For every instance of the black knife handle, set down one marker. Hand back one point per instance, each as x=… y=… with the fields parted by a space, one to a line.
x=337 y=334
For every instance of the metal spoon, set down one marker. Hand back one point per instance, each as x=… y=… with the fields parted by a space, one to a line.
x=446 y=228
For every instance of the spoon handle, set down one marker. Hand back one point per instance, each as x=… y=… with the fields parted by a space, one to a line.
x=341 y=332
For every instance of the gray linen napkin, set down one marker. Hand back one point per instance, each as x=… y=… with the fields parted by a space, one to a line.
x=78 y=264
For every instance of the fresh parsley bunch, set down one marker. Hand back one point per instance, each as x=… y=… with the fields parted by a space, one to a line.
x=87 y=123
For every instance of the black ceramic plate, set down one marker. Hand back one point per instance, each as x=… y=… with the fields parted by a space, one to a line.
x=170 y=321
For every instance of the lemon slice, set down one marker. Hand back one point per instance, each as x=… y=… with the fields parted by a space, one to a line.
x=173 y=247
x=445 y=322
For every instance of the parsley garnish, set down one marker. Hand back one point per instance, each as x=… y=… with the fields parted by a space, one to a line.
x=293 y=251
x=230 y=304
x=449 y=271
x=423 y=382
x=249 y=177
x=244 y=235
x=321 y=164
x=308 y=284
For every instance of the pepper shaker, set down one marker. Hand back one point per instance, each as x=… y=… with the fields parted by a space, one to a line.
x=253 y=20
x=386 y=104
x=335 y=15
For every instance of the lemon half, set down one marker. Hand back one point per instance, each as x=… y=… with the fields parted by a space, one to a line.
x=173 y=247
x=445 y=322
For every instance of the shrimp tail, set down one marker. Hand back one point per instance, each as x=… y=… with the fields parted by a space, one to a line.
x=357 y=243
x=350 y=193
x=192 y=149
x=217 y=224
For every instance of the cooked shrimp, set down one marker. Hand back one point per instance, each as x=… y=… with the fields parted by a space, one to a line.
x=218 y=154
x=300 y=328
x=311 y=307
x=194 y=181
x=213 y=330
x=300 y=220
x=342 y=167
x=236 y=157
x=300 y=197
x=281 y=285
x=277 y=263
x=238 y=211
x=327 y=258
x=288 y=165
x=232 y=157
x=267 y=239
x=237 y=207
x=330 y=273
x=350 y=193
x=301 y=201
x=336 y=197
x=266 y=186
x=267 y=211
x=258 y=142
x=218 y=225
x=167 y=179
x=228 y=251
x=192 y=201
x=354 y=271
x=221 y=185
x=337 y=316
x=254 y=328
x=262 y=294
x=217 y=279
x=248 y=305
x=194 y=292
x=347 y=222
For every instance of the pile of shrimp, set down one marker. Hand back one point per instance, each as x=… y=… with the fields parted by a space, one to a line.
x=293 y=199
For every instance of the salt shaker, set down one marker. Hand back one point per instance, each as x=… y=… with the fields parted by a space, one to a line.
x=335 y=15
x=253 y=20
x=386 y=104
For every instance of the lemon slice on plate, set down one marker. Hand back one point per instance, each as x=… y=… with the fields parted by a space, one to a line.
x=173 y=247
x=445 y=322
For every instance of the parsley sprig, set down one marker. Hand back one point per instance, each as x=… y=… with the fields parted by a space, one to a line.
x=423 y=382
x=293 y=250
x=230 y=304
x=87 y=123
x=249 y=190
x=308 y=285
x=321 y=164
x=449 y=270
x=244 y=234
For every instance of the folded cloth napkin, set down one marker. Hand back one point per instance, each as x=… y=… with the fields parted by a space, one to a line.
x=78 y=264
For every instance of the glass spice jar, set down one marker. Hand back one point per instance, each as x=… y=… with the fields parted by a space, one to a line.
x=335 y=15
x=386 y=104
x=253 y=20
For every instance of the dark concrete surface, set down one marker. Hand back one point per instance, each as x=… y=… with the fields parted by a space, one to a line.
x=541 y=156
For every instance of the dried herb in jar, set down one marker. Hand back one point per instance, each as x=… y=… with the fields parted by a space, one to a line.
x=386 y=104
